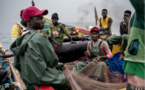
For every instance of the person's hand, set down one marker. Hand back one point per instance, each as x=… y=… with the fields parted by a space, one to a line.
x=64 y=67
x=86 y=53
x=82 y=38
x=47 y=37
x=73 y=42
x=121 y=56
x=97 y=59
x=102 y=28
x=126 y=20
x=121 y=24
x=125 y=76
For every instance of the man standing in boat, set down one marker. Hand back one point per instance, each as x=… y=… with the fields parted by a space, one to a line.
x=105 y=23
x=123 y=37
x=34 y=56
x=134 y=64
x=56 y=33
x=18 y=28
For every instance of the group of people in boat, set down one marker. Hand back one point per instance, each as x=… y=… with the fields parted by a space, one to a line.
x=35 y=56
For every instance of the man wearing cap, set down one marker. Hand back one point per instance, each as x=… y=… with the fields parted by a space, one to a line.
x=97 y=50
x=34 y=55
x=18 y=28
x=56 y=33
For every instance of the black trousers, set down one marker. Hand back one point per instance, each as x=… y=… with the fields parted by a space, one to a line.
x=55 y=46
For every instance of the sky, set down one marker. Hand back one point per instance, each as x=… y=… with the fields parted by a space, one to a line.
x=76 y=11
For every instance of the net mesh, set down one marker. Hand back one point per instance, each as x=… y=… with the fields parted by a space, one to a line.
x=94 y=76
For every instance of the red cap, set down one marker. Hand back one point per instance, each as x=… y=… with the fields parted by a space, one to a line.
x=33 y=11
x=21 y=12
x=95 y=29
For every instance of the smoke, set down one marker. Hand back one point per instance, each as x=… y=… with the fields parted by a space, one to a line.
x=115 y=9
x=85 y=10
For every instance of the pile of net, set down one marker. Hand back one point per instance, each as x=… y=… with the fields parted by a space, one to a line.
x=94 y=76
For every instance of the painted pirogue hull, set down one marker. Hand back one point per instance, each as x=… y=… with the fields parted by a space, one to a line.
x=18 y=82
x=80 y=32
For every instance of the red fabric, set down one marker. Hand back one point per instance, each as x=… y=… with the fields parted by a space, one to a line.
x=43 y=88
x=89 y=48
x=89 y=45
x=95 y=29
x=21 y=12
x=36 y=88
x=107 y=47
x=103 y=49
x=33 y=11
x=58 y=48
x=109 y=55
x=84 y=31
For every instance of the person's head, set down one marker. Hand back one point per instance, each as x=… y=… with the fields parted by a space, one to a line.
x=22 y=20
x=127 y=14
x=104 y=13
x=34 y=17
x=55 y=18
x=94 y=32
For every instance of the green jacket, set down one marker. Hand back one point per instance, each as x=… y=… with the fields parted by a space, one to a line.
x=57 y=33
x=36 y=60
x=136 y=45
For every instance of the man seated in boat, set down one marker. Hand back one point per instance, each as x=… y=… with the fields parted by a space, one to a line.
x=97 y=50
x=18 y=28
x=34 y=56
x=123 y=37
x=105 y=23
x=56 y=33
x=74 y=31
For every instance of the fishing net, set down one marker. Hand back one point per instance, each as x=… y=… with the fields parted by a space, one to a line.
x=94 y=76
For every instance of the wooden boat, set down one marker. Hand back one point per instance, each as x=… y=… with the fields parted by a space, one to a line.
x=17 y=82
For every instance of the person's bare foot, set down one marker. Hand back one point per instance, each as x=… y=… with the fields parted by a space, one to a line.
x=121 y=56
